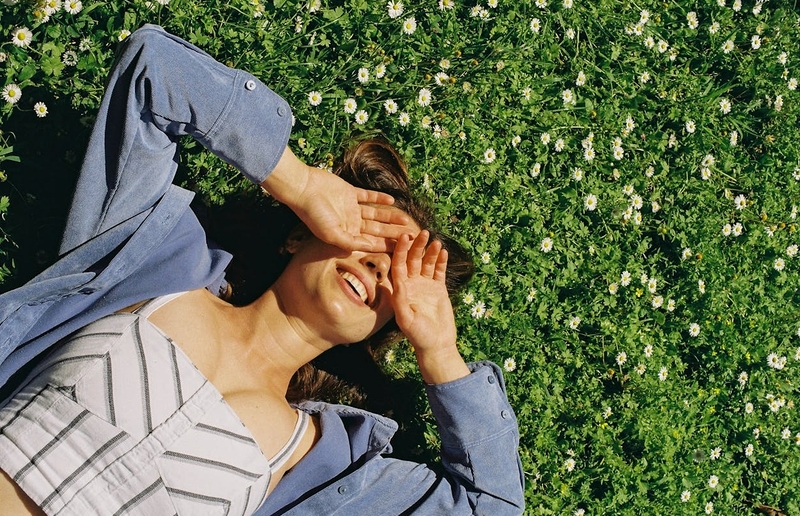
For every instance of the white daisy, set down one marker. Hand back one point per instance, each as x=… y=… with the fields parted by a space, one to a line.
x=11 y=93
x=728 y=46
x=424 y=97
x=40 y=109
x=395 y=9
x=73 y=6
x=362 y=117
x=403 y=119
x=410 y=25
x=743 y=376
x=315 y=98
x=21 y=37
x=590 y=202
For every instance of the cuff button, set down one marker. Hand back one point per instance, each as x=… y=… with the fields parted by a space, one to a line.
x=505 y=414
x=490 y=378
x=250 y=85
x=281 y=111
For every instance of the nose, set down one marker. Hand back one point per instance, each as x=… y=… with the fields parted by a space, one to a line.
x=378 y=264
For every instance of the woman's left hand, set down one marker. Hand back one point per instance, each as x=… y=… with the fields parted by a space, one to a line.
x=422 y=307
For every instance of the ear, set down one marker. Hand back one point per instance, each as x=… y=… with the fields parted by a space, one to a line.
x=297 y=237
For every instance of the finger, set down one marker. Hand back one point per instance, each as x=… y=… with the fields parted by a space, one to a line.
x=440 y=272
x=387 y=214
x=399 y=258
x=371 y=196
x=381 y=230
x=430 y=259
x=416 y=253
x=400 y=304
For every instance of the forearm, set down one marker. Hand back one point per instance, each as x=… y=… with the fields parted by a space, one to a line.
x=288 y=179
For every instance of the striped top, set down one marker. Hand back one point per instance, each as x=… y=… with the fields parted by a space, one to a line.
x=117 y=420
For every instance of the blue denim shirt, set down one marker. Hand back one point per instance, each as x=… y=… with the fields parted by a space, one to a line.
x=131 y=236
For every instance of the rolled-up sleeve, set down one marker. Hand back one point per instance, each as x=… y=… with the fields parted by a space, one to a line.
x=162 y=88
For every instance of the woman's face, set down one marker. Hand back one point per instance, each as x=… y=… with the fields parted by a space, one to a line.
x=343 y=297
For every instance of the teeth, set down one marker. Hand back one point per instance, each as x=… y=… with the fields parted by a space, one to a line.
x=356 y=284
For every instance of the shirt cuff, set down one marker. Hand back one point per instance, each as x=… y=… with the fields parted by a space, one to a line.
x=472 y=409
x=254 y=128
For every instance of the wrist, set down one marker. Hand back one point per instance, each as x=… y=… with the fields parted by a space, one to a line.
x=441 y=365
x=288 y=180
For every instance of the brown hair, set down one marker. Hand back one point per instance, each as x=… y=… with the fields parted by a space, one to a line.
x=345 y=373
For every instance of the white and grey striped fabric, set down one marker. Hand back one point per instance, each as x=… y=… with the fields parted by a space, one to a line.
x=119 y=421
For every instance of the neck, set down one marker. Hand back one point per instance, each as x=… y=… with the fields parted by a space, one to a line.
x=277 y=341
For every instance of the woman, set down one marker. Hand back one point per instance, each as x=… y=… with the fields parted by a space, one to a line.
x=178 y=405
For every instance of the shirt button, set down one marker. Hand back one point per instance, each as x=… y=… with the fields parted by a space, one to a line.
x=250 y=85
x=505 y=414
x=342 y=490
x=491 y=379
x=281 y=110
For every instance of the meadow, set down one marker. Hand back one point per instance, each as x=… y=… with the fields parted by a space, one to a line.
x=625 y=173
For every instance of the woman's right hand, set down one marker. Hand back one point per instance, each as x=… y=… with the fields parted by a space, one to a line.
x=336 y=212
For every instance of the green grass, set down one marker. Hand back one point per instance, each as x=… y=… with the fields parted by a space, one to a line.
x=637 y=438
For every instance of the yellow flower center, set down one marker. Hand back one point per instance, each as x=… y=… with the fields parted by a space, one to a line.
x=12 y=93
x=21 y=36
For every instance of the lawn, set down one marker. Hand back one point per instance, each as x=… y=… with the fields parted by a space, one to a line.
x=626 y=175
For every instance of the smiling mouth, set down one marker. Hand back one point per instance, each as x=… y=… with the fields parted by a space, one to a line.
x=355 y=284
